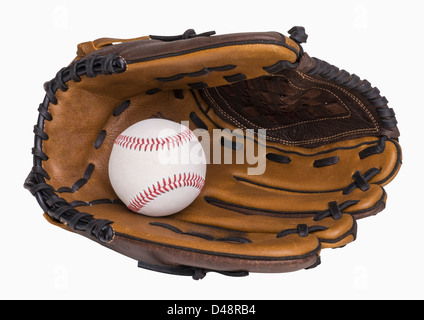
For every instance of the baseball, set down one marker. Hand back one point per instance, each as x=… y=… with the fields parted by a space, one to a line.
x=157 y=167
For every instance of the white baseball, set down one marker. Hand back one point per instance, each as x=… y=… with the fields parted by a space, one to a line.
x=157 y=167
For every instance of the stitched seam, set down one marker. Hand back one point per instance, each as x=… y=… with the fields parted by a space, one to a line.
x=154 y=144
x=347 y=133
x=298 y=123
x=344 y=91
x=113 y=235
x=149 y=194
x=262 y=136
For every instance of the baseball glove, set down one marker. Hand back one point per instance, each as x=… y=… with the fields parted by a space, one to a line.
x=331 y=144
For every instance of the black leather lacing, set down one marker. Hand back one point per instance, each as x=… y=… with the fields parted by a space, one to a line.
x=232 y=239
x=302 y=229
x=195 y=272
x=334 y=210
x=56 y=207
x=377 y=149
x=90 y=67
x=364 y=87
x=361 y=180
x=298 y=34
x=190 y=33
x=387 y=117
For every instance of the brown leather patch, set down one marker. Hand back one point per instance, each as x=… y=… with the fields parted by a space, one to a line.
x=295 y=108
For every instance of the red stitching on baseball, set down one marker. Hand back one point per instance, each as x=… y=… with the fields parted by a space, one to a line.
x=134 y=143
x=151 y=193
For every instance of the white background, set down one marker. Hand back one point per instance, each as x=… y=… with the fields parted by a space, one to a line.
x=377 y=40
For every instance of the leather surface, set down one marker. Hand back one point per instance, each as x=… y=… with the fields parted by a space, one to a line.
x=235 y=222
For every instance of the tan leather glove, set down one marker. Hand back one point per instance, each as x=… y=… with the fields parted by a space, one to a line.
x=331 y=144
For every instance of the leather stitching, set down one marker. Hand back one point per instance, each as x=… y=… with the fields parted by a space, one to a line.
x=149 y=194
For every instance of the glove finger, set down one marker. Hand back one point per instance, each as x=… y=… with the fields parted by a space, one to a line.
x=261 y=201
x=199 y=62
x=284 y=244
x=299 y=169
